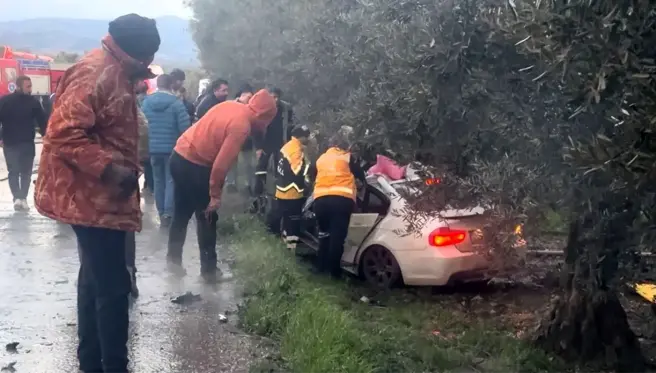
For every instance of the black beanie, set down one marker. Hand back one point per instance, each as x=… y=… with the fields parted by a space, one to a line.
x=135 y=35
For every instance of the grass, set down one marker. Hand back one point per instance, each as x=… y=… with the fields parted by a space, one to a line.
x=323 y=326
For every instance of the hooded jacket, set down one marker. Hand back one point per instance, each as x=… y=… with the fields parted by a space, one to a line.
x=167 y=120
x=93 y=124
x=216 y=139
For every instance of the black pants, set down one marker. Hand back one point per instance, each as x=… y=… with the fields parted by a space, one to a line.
x=333 y=216
x=20 y=160
x=191 y=196
x=103 y=287
x=130 y=250
x=289 y=211
x=261 y=170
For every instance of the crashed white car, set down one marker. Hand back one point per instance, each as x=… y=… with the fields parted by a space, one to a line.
x=446 y=251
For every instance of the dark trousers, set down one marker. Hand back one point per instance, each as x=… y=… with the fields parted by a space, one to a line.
x=261 y=171
x=130 y=250
x=20 y=160
x=148 y=175
x=191 y=196
x=289 y=212
x=333 y=217
x=103 y=288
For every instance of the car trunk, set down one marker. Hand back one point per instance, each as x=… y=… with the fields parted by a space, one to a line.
x=470 y=220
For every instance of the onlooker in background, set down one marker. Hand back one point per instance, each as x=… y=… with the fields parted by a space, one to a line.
x=167 y=120
x=88 y=177
x=179 y=89
x=20 y=114
x=217 y=93
x=246 y=157
x=200 y=161
x=144 y=155
x=276 y=135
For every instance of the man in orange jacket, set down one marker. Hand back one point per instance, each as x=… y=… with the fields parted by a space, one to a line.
x=199 y=164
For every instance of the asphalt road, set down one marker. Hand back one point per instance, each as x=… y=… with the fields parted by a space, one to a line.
x=38 y=272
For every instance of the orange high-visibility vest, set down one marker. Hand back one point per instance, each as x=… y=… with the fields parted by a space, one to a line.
x=291 y=171
x=334 y=176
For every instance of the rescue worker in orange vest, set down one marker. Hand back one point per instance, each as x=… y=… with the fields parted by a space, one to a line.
x=291 y=174
x=334 y=199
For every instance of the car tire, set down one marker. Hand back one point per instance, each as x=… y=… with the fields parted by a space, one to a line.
x=379 y=267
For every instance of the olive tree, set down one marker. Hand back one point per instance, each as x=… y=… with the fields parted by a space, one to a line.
x=519 y=106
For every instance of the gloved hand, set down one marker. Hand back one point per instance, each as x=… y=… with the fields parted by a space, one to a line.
x=124 y=178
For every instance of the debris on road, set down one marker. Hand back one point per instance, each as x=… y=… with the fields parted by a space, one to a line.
x=364 y=299
x=186 y=298
x=9 y=367
x=223 y=318
x=12 y=347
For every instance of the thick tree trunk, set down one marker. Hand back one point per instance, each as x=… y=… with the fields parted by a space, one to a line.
x=587 y=322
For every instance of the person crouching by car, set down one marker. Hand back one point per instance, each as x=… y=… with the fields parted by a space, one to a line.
x=334 y=200
x=291 y=174
x=199 y=164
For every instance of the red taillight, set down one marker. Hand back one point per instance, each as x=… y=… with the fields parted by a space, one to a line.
x=432 y=181
x=445 y=237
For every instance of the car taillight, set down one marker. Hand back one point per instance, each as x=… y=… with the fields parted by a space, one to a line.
x=445 y=237
x=432 y=181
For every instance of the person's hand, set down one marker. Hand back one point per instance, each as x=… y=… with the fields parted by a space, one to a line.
x=122 y=177
x=258 y=153
x=212 y=207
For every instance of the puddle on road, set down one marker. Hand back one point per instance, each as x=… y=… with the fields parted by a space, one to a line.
x=38 y=276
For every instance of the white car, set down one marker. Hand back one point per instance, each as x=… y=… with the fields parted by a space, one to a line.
x=446 y=251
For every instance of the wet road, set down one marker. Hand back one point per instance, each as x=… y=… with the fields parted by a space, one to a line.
x=38 y=272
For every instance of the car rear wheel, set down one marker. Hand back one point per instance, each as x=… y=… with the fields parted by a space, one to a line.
x=379 y=267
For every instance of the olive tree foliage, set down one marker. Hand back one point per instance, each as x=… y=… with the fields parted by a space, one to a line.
x=518 y=106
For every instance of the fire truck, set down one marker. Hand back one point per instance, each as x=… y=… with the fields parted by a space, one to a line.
x=42 y=70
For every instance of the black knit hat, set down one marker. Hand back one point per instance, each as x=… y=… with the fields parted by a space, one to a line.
x=135 y=35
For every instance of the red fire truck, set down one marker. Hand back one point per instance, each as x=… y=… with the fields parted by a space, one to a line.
x=42 y=70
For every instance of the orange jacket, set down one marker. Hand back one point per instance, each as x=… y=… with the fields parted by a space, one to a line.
x=334 y=175
x=216 y=139
x=93 y=123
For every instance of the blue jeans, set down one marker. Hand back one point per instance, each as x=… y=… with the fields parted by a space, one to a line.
x=162 y=183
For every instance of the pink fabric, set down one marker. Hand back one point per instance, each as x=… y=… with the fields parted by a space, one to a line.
x=386 y=166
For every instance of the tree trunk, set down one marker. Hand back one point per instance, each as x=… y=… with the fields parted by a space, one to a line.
x=587 y=323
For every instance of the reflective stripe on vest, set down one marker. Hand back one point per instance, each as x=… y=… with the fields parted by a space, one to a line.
x=334 y=176
x=291 y=171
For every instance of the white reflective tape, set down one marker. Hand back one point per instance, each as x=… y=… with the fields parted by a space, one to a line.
x=260 y=172
x=292 y=238
x=290 y=186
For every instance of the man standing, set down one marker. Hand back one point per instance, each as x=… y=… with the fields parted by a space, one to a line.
x=291 y=175
x=178 y=88
x=276 y=135
x=167 y=120
x=201 y=158
x=88 y=178
x=20 y=113
x=216 y=94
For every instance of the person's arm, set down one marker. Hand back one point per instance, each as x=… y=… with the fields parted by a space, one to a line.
x=40 y=117
x=203 y=107
x=182 y=117
x=228 y=155
x=69 y=136
x=312 y=172
x=356 y=169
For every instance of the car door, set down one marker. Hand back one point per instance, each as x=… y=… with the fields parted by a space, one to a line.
x=363 y=221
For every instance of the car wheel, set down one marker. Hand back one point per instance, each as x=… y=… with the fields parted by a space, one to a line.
x=379 y=267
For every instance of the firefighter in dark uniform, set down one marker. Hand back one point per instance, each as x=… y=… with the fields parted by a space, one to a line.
x=291 y=180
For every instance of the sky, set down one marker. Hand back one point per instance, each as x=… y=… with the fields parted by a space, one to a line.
x=12 y=10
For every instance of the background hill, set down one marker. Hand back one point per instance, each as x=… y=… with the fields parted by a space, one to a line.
x=54 y=35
